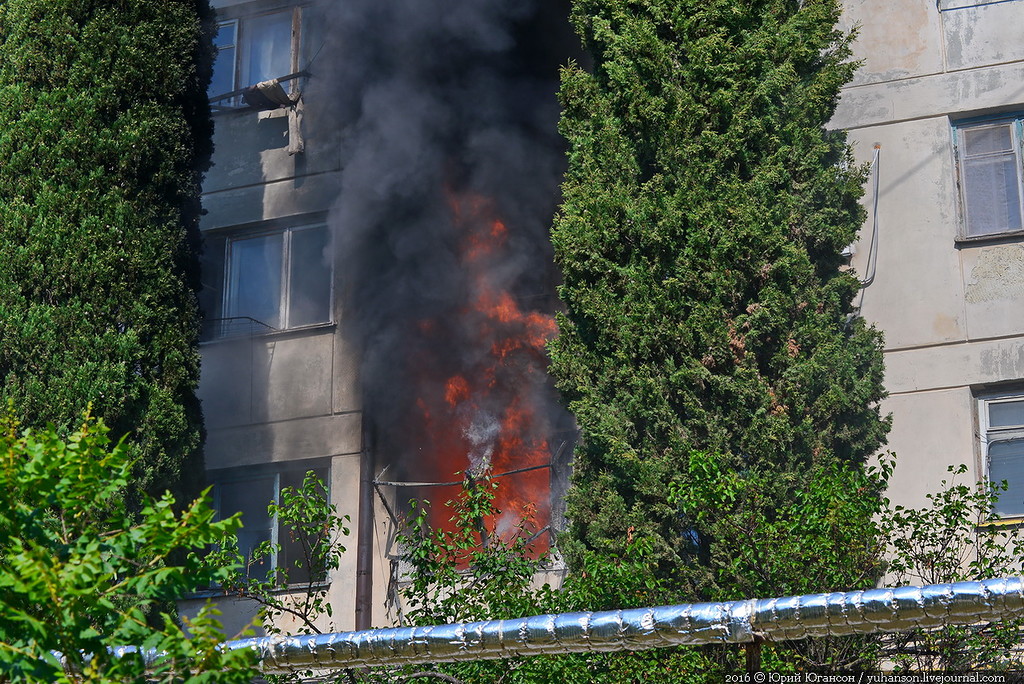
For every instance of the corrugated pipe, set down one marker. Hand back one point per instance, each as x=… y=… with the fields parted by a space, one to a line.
x=732 y=622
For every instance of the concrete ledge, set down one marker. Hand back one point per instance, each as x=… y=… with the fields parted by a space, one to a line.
x=283 y=441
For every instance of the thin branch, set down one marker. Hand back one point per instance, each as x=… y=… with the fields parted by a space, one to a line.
x=276 y=605
x=428 y=674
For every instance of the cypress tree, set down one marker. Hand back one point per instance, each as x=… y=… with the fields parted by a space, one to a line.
x=708 y=347
x=106 y=135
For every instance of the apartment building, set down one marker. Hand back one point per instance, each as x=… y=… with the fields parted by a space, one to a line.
x=279 y=387
x=937 y=109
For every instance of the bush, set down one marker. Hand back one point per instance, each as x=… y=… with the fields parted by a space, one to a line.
x=80 y=575
x=957 y=537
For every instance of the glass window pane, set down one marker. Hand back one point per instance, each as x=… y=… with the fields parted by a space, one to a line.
x=211 y=296
x=254 y=279
x=296 y=544
x=269 y=39
x=224 y=64
x=991 y=194
x=988 y=139
x=226 y=34
x=1006 y=462
x=223 y=80
x=310 y=285
x=250 y=498
x=1006 y=414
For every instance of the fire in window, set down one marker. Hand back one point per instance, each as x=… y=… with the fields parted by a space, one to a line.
x=989 y=166
x=1002 y=430
x=249 y=493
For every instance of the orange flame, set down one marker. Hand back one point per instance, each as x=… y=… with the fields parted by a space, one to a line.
x=492 y=421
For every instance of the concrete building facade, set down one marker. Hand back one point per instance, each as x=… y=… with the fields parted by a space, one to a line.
x=937 y=108
x=279 y=386
x=938 y=105
x=280 y=379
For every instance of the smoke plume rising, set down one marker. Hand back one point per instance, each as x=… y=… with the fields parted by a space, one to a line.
x=451 y=164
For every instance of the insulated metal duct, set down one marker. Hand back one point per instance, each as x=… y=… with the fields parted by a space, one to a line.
x=732 y=622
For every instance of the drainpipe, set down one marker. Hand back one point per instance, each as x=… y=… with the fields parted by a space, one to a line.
x=364 y=537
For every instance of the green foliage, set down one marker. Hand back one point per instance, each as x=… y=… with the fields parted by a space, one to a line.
x=470 y=573
x=307 y=517
x=80 y=575
x=957 y=537
x=452 y=576
x=826 y=538
x=751 y=548
x=612 y=581
x=467 y=573
x=705 y=208
x=106 y=135
x=835 y=515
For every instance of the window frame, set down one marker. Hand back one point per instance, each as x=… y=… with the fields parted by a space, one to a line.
x=285 y=294
x=240 y=78
x=1015 y=121
x=989 y=435
x=275 y=472
x=219 y=45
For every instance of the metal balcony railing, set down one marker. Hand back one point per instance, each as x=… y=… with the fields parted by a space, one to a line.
x=232 y=327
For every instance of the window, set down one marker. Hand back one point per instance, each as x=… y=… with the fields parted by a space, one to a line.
x=281 y=279
x=1002 y=430
x=254 y=49
x=266 y=280
x=989 y=167
x=225 y=65
x=249 y=491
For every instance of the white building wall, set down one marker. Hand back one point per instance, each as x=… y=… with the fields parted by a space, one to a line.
x=952 y=310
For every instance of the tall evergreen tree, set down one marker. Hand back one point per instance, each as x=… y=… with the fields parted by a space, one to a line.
x=106 y=135
x=708 y=329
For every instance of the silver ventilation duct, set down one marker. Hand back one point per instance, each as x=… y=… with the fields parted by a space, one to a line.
x=732 y=622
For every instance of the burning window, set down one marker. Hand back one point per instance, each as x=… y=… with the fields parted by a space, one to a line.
x=479 y=403
x=249 y=491
x=271 y=280
x=252 y=50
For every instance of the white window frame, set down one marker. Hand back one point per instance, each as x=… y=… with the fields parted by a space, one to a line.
x=1014 y=123
x=242 y=475
x=989 y=435
x=285 y=297
x=233 y=46
x=240 y=78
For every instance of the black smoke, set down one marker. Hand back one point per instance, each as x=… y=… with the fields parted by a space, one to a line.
x=435 y=99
